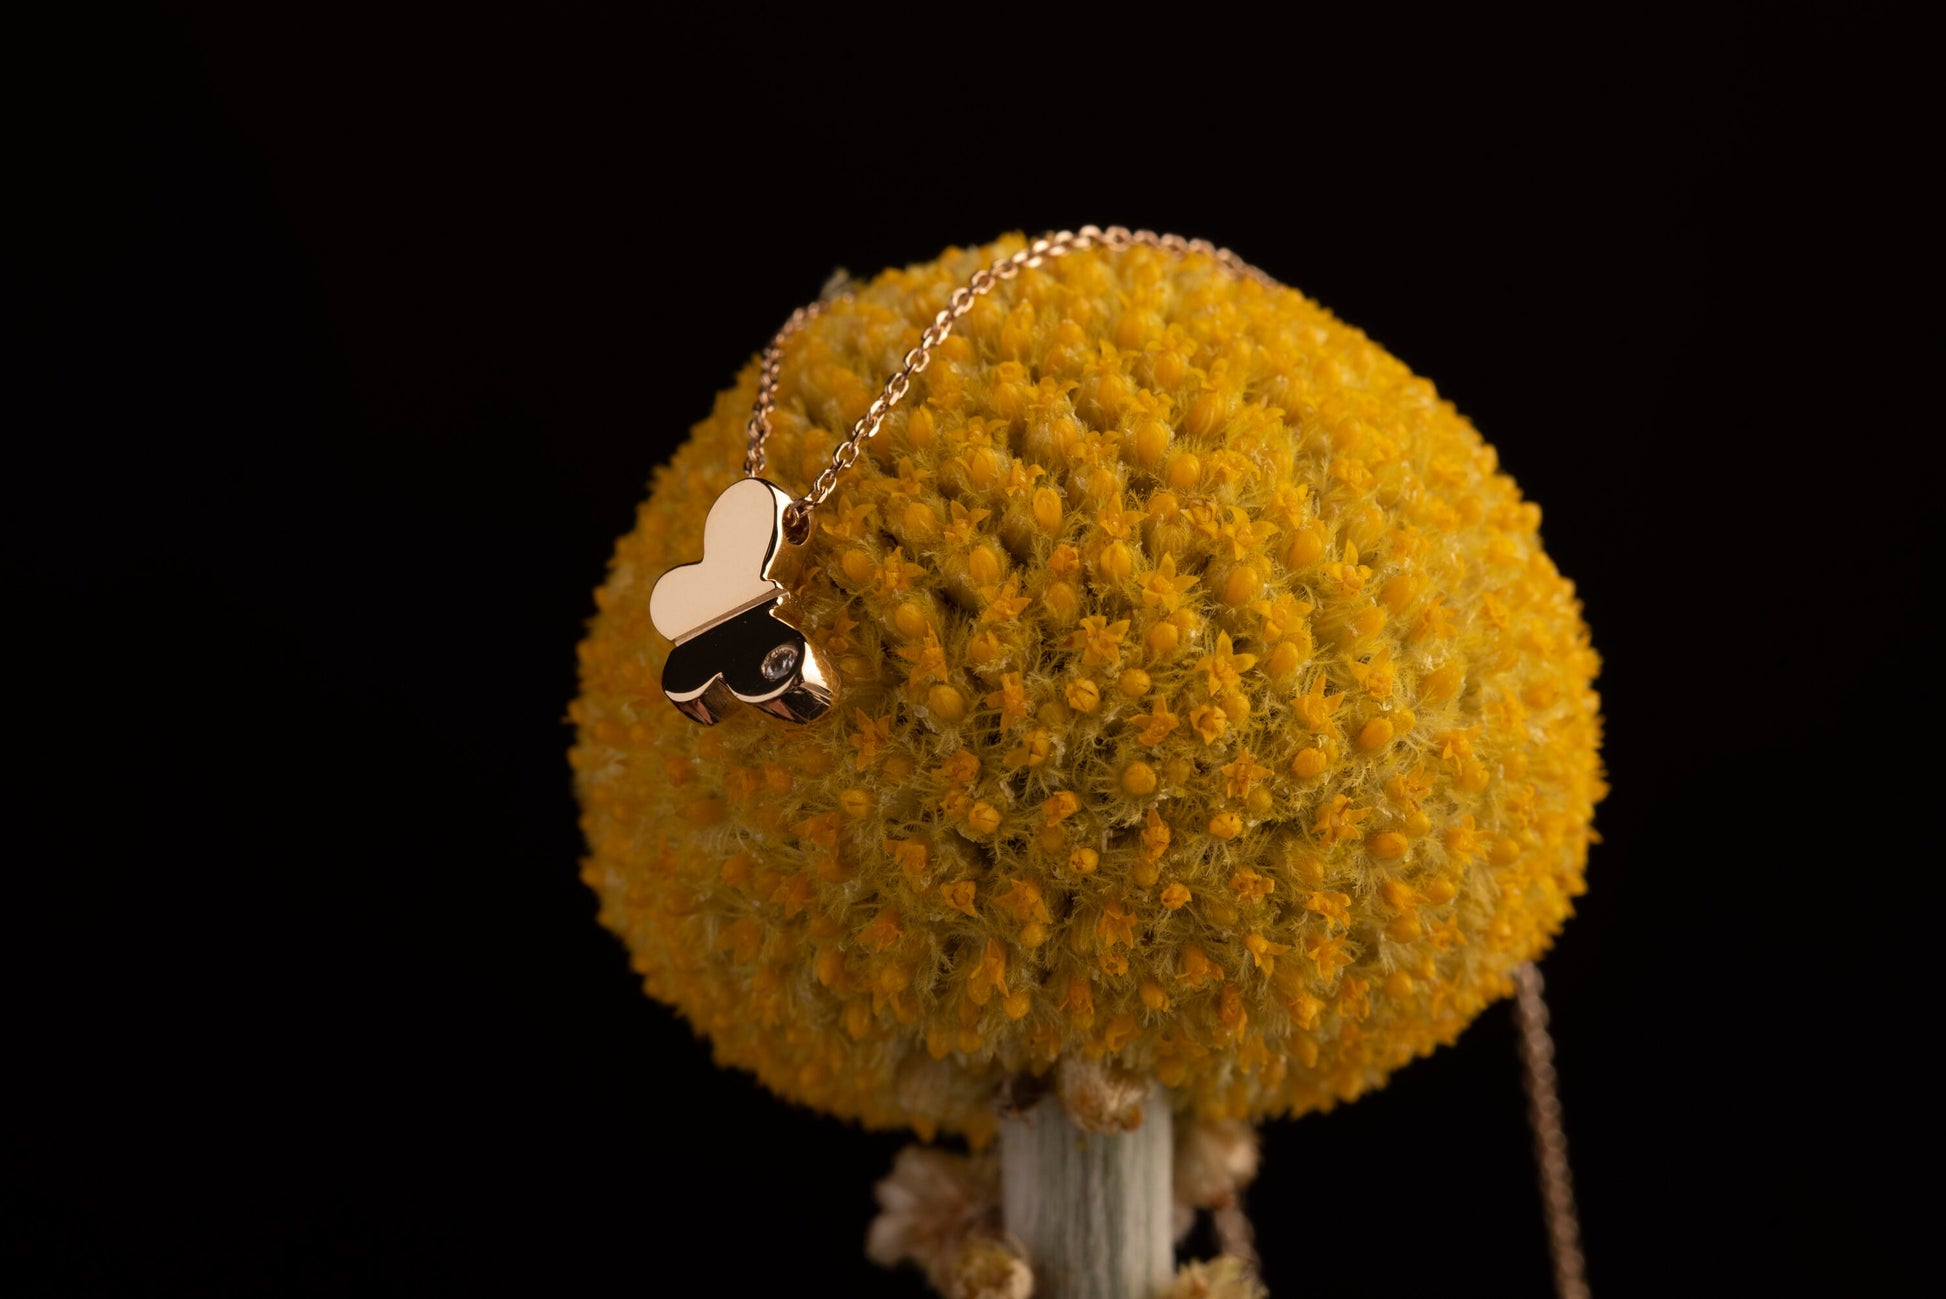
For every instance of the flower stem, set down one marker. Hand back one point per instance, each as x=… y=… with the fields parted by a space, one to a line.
x=1092 y=1209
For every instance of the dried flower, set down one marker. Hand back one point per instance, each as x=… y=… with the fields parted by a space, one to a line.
x=1210 y=709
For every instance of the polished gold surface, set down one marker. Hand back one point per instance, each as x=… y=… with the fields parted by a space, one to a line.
x=741 y=537
x=735 y=639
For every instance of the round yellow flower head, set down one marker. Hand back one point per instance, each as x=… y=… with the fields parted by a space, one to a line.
x=1208 y=707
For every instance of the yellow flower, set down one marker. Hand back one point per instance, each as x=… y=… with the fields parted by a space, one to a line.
x=1031 y=751
x=1282 y=617
x=909 y=855
x=1004 y=603
x=1010 y=699
x=989 y=975
x=1239 y=732
x=1156 y=724
x=1117 y=925
x=1240 y=775
x=928 y=660
x=1020 y=478
x=1060 y=807
x=959 y=769
x=1314 y=708
x=1330 y=956
x=964 y=528
x=1264 y=952
x=1375 y=674
x=1338 y=819
x=1155 y=835
x=883 y=933
x=1117 y=521
x=1023 y=901
x=1164 y=590
x=1252 y=886
x=1223 y=668
x=1099 y=640
x=1335 y=907
x=1208 y=722
x=871 y=735
x=1241 y=538
x=897 y=576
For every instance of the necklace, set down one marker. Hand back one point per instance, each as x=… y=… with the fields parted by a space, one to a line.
x=737 y=638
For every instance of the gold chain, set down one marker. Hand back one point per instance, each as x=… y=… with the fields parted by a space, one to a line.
x=797 y=517
x=1550 y=1140
x=1530 y=1010
x=773 y=361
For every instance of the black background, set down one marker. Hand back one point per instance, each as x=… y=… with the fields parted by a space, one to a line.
x=342 y=347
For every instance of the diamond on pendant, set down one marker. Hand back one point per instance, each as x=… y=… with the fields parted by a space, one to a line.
x=779 y=663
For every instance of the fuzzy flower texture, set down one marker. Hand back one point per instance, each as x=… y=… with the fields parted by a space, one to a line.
x=1208 y=708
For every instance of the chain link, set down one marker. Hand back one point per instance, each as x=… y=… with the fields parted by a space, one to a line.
x=773 y=361
x=1039 y=252
x=1550 y=1139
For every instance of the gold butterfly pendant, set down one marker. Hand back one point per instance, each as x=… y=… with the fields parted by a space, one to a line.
x=731 y=620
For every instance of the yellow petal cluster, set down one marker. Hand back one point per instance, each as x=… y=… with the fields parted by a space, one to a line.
x=1208 y=707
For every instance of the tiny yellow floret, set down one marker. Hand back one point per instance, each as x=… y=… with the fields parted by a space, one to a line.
x=946 y=703
x=1388 y=846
